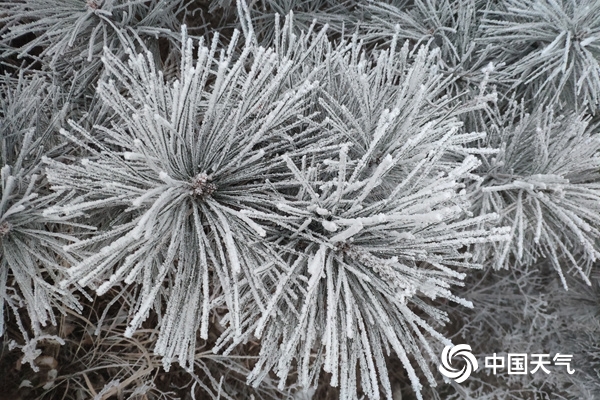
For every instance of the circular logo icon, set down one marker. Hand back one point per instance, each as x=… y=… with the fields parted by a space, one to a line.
x=460 y=350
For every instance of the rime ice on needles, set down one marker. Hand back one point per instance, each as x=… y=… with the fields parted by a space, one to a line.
x=72 y=33
x=551 y=49
x=197 y=156
x=319 y=198
x=363 y=281
x=370 y=230
x=447 y=25
x=31 y=255
x=545 y=184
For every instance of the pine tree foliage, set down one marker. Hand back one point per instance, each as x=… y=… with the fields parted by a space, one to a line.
x=447 y=25
x=299 y=196
x=265 y=13
x=32 y=260
x=551 y=49
x=532 y=312
x=544 y=183
x=368 y=265
x=72 y=34
x=195 y=162
x=372 y=230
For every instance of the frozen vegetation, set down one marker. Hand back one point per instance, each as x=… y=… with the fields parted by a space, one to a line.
x=297 y=199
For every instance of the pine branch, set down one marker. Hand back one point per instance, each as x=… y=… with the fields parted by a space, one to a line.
x=544 y=184
x=32 y=259
x=551 y=50
x=196 y=155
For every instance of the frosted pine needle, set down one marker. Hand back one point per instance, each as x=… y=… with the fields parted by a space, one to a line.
x=199 y=154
